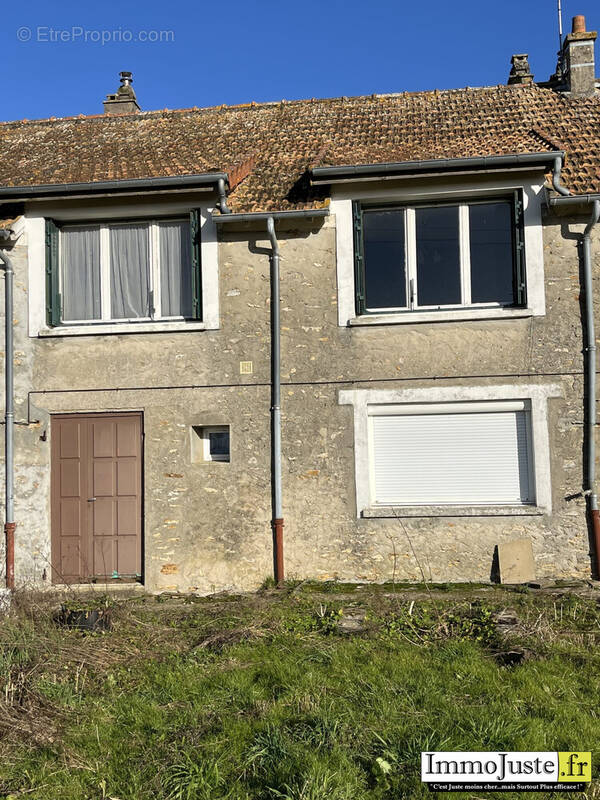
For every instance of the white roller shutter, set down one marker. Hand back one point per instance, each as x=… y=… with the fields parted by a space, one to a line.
x=463 y=457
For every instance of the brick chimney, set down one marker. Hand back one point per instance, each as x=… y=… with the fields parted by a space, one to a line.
x=124 y=101
x=520 y=72
x=575 y=71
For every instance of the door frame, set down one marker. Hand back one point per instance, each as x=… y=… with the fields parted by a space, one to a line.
x=56 y=578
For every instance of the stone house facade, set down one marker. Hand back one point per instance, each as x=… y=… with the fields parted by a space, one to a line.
x=432 y=328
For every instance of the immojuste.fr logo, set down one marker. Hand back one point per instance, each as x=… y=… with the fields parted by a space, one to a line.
x=447 y=771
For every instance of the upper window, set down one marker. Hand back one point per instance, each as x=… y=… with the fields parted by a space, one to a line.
x=144 y=270
x=439 y=256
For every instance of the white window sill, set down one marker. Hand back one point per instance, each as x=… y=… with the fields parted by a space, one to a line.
x=394 y=512
x=127 y=327
x=450 y=315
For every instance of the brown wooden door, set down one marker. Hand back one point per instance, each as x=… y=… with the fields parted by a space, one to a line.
x=96 y=479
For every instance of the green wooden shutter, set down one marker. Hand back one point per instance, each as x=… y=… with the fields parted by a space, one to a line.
x=53 y=298
x=359 y=266
x=196 y=265
x=519 y=239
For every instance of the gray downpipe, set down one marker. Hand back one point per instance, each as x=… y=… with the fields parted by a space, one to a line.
x=556 y=177
x=223 y=207
x=591 y=354
x=590 y=350
x=259 y=216
x=276 y=402
x=9 y=526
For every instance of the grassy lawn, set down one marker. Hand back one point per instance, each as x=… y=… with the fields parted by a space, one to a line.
x=269 y=696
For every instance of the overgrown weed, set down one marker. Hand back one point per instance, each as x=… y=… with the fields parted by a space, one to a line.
x=264 y=697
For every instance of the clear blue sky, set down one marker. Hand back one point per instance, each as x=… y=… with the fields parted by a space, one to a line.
x=261 y=50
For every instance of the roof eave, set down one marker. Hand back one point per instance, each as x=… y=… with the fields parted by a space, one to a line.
x=402 y=169
x=94 y=188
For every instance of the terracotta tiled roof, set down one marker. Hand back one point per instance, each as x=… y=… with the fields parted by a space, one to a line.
x=269 y=147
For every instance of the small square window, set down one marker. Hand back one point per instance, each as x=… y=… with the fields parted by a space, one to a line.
x=210 y=443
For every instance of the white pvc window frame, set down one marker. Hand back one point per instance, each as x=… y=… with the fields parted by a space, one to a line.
x=153 y=267
x=429 y=409
x=537 y=396
x=436 y=191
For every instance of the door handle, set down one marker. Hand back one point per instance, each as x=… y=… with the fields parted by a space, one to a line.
x=91 y=500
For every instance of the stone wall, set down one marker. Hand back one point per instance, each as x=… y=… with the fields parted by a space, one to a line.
x=207 y=526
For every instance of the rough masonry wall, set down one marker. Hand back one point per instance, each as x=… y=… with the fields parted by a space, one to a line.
x=32 y=474
x=322 y=529
x=207 y=526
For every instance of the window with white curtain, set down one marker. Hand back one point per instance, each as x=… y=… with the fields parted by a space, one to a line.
x=126 y=271
x=451 y=454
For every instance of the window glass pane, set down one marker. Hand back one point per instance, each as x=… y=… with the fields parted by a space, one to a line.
x=438 y=256
x=129 y=262
x=175 y=269
x=218 y=443
x=80 y=263
x=385 y=270
x=491 y=236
